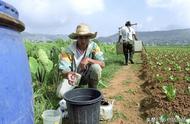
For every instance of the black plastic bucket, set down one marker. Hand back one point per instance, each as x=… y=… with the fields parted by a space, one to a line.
x=83 y=105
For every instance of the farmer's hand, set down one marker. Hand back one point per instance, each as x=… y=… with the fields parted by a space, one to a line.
x=71 y=76
x=83 y=63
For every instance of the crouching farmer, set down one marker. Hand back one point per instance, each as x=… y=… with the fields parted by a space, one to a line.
x=82 y=62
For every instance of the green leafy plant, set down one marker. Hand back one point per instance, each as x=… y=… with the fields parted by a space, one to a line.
x=159 y=63
x=121 y=115
x=159 y=78
x=188 y=64
x=181 y=120
x=131 y=91
x=54 y=55
x=44 y=60
x=40 y=74
x=187 y=78
x=163 y=118
x=177 y=67
x=40 y=66
x=33 y=63
x=187 y=69
x=170 y=92
x=119 y=97
x=173 y=78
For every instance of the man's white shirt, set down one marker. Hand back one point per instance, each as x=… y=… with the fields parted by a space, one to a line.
x=126 y=33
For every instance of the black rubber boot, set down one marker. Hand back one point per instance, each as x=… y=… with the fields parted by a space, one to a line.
x=93 y=84
x=131 y=61
x=126 y=59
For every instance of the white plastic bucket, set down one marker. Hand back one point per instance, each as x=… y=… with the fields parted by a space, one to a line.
x=138 y=46
x=52 y=117
x=106 y=111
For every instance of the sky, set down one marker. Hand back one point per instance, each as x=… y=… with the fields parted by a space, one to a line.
x=102 y=16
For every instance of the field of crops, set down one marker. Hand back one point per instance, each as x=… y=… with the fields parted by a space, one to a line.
x=44 y=58
x=167 y=74
x=165 y=71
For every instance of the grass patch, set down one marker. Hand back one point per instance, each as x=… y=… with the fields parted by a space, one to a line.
x=119 y=98
x=113 y=63
x=137 y=60
x=131 y=91
x=118 y=115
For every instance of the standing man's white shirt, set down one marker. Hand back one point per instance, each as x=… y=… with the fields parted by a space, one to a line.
x=126 y=33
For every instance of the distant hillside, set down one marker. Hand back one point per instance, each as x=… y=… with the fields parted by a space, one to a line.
x=178 y=36
x=42 y=37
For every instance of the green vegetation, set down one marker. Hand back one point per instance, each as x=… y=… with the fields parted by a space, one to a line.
x=44 y=58
x=165 y=65
x=118 y=114
x=170 y=92
x=167 y=68
x=118 y=98
x=131 y=91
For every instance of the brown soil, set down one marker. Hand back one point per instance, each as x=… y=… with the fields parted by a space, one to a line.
x=125 y=89
x=157 y=104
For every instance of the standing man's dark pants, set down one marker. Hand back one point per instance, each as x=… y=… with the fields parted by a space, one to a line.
x=128 y=51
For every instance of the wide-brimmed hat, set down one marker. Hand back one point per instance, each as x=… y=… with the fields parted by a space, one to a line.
x=82 y=30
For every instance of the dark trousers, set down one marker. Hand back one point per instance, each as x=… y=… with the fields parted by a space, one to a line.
x=128 y=51
x=91 y=76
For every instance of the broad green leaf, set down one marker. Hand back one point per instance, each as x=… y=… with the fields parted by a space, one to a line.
x=48 y=66
x=33 y=65
x=164 y=118
x=43 y=56
x=170 y=92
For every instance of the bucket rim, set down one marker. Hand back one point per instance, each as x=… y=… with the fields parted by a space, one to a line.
x=98 y=99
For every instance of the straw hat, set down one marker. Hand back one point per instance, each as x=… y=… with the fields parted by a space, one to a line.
x=82 y=30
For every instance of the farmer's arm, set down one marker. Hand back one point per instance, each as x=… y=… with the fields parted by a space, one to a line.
x=93 y=61
x=65 y=67
x=120 y=35
x=97 y=59
x=134 y=34
x=65 y=62
x=86 y=61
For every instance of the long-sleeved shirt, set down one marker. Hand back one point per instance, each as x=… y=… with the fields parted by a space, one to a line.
x=70 y=59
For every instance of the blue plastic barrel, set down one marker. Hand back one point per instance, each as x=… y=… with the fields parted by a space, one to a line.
x=16 y=97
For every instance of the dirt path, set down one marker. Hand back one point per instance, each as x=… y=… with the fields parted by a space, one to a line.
x=125 y=89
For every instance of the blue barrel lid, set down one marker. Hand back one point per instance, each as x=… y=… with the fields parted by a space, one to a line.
x=9 y=17
x=8 y=9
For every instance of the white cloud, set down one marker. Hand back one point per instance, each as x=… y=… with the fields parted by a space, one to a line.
x=168 y=3
x=159 y=3
x=149 y=19
x=87 y=7
x=179 y=8
x=48 y=16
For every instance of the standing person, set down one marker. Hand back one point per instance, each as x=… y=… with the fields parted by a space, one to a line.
x=82 y=58
x=127 y=36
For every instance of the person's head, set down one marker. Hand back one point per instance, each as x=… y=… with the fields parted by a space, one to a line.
x=82 y=41
x=128 y=23
x=83 y=35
